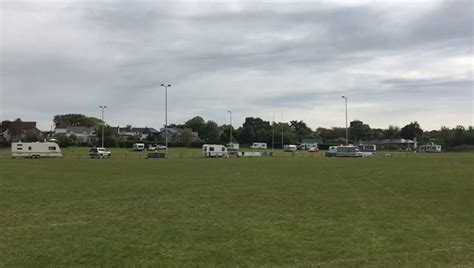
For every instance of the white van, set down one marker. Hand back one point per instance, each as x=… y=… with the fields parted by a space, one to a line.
x=214 y=150
x=36 y=149
x=290 y=148
x=138 y=147
x=258 y=145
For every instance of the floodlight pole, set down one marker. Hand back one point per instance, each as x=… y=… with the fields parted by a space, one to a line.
x=166 y=117
x=281 y=127
x=102 y=107
x=347 y=130
x=230 y=135
x=273 y=132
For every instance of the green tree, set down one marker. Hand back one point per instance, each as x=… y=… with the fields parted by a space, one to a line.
x=187 y=136
x=392 y=132
x=32 y=136
x=358 y=131
x=210 y=132
x=196 y=123
x=64 y=141
x=15 y=130
x=77 y=120
x=411 y=131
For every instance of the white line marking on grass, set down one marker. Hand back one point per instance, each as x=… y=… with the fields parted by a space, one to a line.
x=47 y=225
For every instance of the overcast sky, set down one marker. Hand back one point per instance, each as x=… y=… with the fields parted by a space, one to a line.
x=397 y=61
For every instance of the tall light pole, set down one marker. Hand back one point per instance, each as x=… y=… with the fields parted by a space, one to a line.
x=347 y=130
x=102 y=107
x=273 y=132
x=166 y=116
x=230 y=135
x=281 y=126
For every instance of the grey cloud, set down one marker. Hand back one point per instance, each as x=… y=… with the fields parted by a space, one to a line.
x=253 y=59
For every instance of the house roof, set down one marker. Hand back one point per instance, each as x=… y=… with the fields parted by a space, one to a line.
x=24 y=125
x=137 y=129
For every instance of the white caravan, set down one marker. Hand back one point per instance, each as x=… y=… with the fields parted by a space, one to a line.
x=290 y=148
x=36 y=149
x=233 y=146
x=214 y=150
x=138 y=147
x=432 y=148
x=258 y=145
x=307 y=146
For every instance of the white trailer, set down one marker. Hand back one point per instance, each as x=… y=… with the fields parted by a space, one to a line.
x=214 y=150
x=36 y=149
x=307 y=146
x=233 y=146
x=258 y=145
x=432 y=148
x=138 y=147
x=290 y=148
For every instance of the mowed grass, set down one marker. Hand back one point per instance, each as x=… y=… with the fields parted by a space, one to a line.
x=414 y=210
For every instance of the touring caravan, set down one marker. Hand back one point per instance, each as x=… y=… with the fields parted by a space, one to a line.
x=368 y=148
x=258 y=145
x=290 y=148
x=432 y=148
x=138 y=147
x=307 y=146
x=35 y=149
x=214 y=150
x=233 y=146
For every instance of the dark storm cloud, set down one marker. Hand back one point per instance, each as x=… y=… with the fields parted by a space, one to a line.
x=254 y=58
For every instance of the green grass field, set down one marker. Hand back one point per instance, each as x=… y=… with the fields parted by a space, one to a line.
x=406 y=210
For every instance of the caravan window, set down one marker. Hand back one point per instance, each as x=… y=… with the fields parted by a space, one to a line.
x=211 y=149
x=52 y=148
x=19 y=148
x=29 y=148
x=223 y=149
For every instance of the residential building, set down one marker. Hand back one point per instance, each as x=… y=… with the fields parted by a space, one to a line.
x=83 y=134
x=16 y=130
x=140 y=133
x=175 y=134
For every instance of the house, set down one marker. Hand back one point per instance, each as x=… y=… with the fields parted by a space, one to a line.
x=175 y=134
x=140 y=133
x=390 y=144
x=16 y=130
x=83 y=134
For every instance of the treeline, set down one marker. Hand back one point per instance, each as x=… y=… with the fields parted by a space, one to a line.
x=258 y=130
x=255 y=129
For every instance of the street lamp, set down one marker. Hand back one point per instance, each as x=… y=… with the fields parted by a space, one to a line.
x=102 y=107
x=166 y=116
x=230 y=135
x=347 y=130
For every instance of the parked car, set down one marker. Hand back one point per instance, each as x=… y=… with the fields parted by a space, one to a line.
x=154 y=147
x=100 y=152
